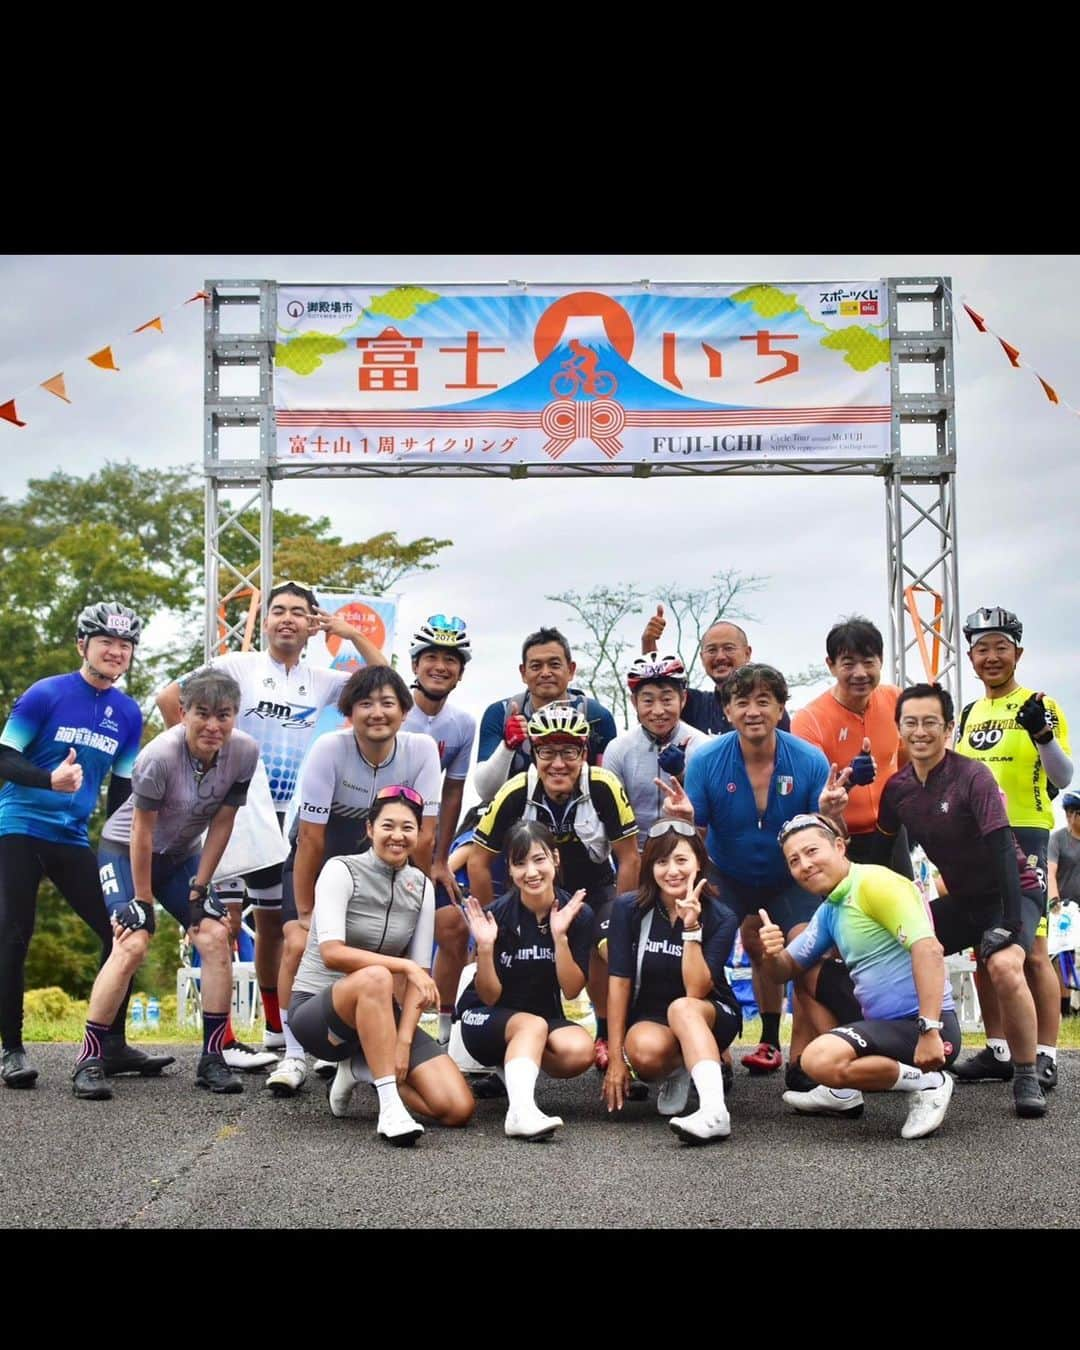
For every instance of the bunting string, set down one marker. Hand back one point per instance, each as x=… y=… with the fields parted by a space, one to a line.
x=104 y=359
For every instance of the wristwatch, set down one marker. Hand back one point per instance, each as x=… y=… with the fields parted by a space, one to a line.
x=198 y=888
x=928 y=1024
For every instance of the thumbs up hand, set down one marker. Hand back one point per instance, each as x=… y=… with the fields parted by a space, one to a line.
x=68 y=776
x=770 y=936
x=863 y=766
x=516 y=728
x=654 y=630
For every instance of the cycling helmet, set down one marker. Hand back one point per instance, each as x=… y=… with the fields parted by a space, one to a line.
x=439 y=631
x=1071 y=801
x=109 y=619
x=560 y=721
x=653 y=667
x=996 y=620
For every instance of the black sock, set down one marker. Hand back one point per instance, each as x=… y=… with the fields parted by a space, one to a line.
x=91 y=1046
x=770 y=1028
x=601 y=1028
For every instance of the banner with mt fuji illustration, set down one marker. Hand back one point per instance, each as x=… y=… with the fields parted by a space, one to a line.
x=531 y=374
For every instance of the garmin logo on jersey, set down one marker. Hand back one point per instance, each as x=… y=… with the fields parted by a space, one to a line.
x=284 y=713
x=93 y=740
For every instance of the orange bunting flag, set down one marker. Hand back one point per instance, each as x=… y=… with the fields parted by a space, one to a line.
x=153 y=323
x=1050 y=393
x=8 y=413
x=1010 y=351
x=104 y=359
x=56 y=386
x=976 y=319
x=199 y=295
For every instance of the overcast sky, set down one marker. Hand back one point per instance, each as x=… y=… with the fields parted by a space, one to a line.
x=820 y=541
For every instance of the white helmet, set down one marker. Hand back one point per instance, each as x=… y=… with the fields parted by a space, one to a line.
x=442 y=634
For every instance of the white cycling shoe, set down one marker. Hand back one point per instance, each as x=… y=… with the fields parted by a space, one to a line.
x=530 y=1124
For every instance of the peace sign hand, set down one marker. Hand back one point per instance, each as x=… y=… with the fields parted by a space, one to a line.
x=689 y=908
x=834 y=795
x=676 y=803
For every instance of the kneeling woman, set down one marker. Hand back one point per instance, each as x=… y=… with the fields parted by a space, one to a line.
x=365 y=978
x=670 y=1008
x=530 y=943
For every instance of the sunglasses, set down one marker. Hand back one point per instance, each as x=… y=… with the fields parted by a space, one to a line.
x=399 y=790
x=440 y=621
x=805 y=822
x=679 y=826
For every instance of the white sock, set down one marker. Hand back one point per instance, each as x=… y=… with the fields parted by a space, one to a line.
x=293 y=1048
x=914 y=1080
x=1000 y=1049
x=388 y=1093
x=520 y=1077
x=709 y=1080
x=1050 y=1050
x=446 y=1021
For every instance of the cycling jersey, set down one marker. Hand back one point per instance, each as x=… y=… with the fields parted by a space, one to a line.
x=372 y=905
x=580 y=869
x=741 y=843
x=839 y=733
x=166 y=780
x=54 y=716
x=524 y=957
x=990 y=733
x=338 y=784
x=949 y=815
x=632 y=758
x=873 y=918
x=280 y=708
x=452 y=729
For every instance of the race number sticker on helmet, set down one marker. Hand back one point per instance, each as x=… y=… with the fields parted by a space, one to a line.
x=109 y=619
x=560 y=720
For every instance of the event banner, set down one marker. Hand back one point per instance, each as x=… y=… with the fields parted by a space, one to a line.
x=529 y=374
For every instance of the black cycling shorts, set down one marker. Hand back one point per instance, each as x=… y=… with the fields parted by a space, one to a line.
x=897 y=1038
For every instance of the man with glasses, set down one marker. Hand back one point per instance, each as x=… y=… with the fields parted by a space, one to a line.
x=589 y=813
x=952 y=806
x=901 y=1029
x=724 y=649
x=547 y=668
x=340 y=779
x=1023 y=739
x=281 y=699
x=740 y=789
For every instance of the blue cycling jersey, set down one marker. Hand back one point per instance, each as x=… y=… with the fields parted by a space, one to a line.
x=62 y=713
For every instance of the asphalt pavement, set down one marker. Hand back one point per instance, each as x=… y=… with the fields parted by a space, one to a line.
x=165 y=1154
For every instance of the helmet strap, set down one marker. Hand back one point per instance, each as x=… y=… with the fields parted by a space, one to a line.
x=435 y=698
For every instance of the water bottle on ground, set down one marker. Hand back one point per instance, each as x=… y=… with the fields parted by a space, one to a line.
x=136 y=1014
x=153 y=1015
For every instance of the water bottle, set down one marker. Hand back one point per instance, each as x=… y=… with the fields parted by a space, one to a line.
x=153 y=1014
x=136 y=1011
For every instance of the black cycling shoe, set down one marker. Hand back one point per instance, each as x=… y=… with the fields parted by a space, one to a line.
x=16 y=1070
x=119 y=1057
x=982 y=1066
x=1046 y=1072
x=88 y=1081
x=637 y=1091
x=1028 y=1096
x=796 y=1080
x=487 y=1086
x=215 y=1074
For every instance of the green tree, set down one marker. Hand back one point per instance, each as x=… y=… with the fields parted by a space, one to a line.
x=600 y=611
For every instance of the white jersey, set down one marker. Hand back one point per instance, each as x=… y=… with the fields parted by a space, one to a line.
x=279 y=708
x=452 y=729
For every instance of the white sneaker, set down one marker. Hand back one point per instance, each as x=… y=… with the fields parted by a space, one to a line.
x=822 y=1101
x=246 y=1058
x=273 y=1040
x=703 y=1126
x=342 y=1088
x=674 y=1093
x=397 y=1127
x=324 y=1068
x=927 y=1109
x=530 y=1124
x=288 y=1078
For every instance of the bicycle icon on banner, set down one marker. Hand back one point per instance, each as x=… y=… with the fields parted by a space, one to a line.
x=580 y=374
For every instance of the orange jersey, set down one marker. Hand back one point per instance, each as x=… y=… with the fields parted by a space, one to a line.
x=839 y=732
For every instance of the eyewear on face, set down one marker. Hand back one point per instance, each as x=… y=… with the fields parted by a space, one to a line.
x=568 y=752
x=803 y=822
x=926 y=723
x=679 y=826
x=399 y=790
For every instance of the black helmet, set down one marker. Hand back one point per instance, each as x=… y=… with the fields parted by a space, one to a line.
x=109 y=619
x=995 y=620
x=1071 y=801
